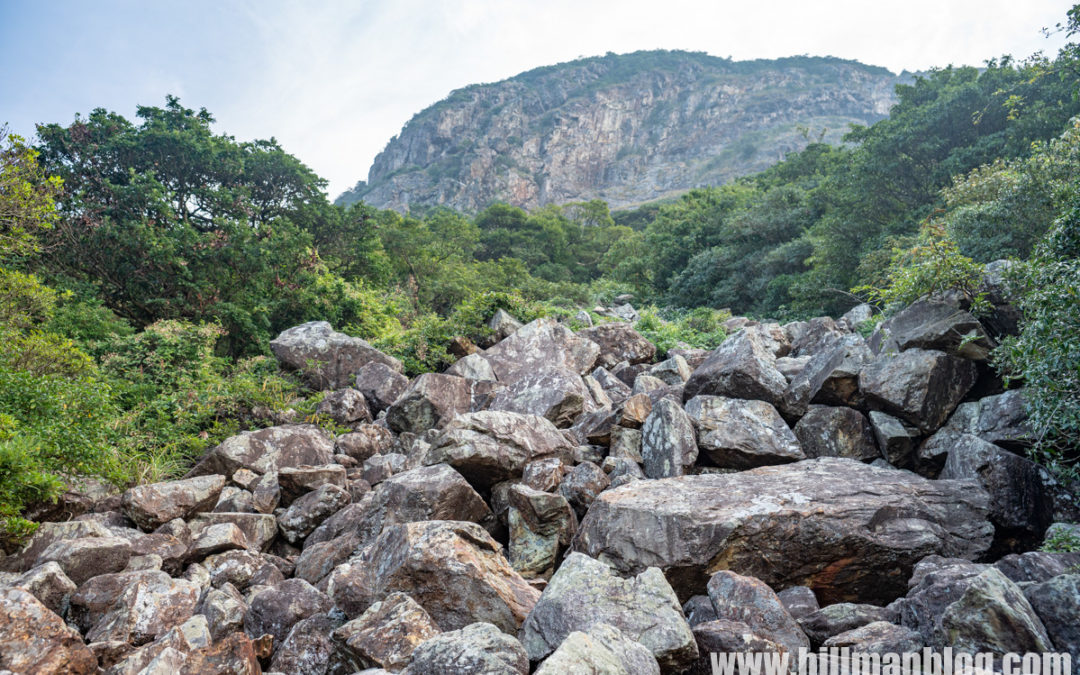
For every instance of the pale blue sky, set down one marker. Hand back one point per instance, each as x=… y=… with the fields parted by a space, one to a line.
x=334 y=80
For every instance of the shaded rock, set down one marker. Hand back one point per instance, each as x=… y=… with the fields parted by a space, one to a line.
x=625 y=443
x=602 y=649
x=740 y=434
x=385 y=635
x=993 y=616
x=432 y=400
x=35 y=640
x=381 y=467
x=585 y=592
x=742 y=367
x=799 y=601
x=307 y=512
x=473 y=367
x=488 y=447
x=224 y=609
x=619 y=342
x=345 y=406
x=49 y=585
x=935 y=584
x=693 y=357
x=328 y=359
x=896 y=440
x=275 y=610
x=318 y=560
x=582 y=484
x=479 y=648
x=840 y=618
x=541 y=344
x=668 y=443
x=380 y=384
x=46 y=534
x=541 y=528
x=150 y=506
x=805 y=385
x=308 y=648
x=1037 y=566
x=791 y=366
x=235 y=500
x=617 y=390
x=836 y=432
x=544 y=474
x=921 y=387
x=87 y=557
x=266 y=493
x=622 y=470
x=267 y=450
x=1000 y=419
x=1020 y=507
x=365 y=441
x=848 y=530
x=750 y=601
x=259 y=529
x=295 y=481
x=1057 y=604
x=878 y=637
x=149 y=606
x=557 y=394
x=96 y=596
x=699 y=609
x=722 y=636
x=930 y=324
x=454 y=570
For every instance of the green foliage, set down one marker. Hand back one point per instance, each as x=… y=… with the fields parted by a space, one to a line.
x=1046 y=354
x=933 y=266
x=1061 y=541
x=27 y=195
x=701 y=328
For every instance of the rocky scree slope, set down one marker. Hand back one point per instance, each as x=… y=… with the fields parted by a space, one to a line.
x=561 y=502
x=623 y=128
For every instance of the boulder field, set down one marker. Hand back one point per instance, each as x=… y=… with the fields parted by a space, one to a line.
x=565 y=502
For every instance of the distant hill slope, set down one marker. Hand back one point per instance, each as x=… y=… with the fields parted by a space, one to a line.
x=627 y=129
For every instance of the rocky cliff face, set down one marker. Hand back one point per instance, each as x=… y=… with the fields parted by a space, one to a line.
x=627 y=129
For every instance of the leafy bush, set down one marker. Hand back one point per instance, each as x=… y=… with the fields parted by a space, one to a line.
x=700 y=328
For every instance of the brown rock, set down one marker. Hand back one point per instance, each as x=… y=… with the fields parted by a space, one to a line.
x=150 y=506
x=267 y=450
x=430 y=402
x=386 y=634
x=34 y=640
x=328 y=359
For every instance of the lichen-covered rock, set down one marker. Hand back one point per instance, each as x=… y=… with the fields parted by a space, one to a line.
x=877 y=637
x=1000 y=419
x=993 y=616
x=619 y=342
x=328 y=359
x=308 y=648
x=275 y=610
x=585 y=592
x=488 y=447
x=365 y=441
x=799 y=601
x=1057 y=603
x=826 y=431
x=148 y=607
x=386 y=634
x=259 y=529
x=87 y=557
x=742 y=367
x=557 y=394
x=582 y=485
x=935 y=583
x=454 y=570
x=224 y=609
x=49 y=585
x=216 y=539
x=602 y=649
x=668 y=442
x=380 y=384
x=674 y=370
x=749 y=601
x=430 y=402
x=541 y=528
x=831 y=524
x=479 y=648
x=151 y=506
x=473 y=367
x=740 y=434
x=294 y=481
x=35 y=640
x=241 y=569
x=310 y=510
x=543 y=343
x=839 y=618
x=267 y=450
x=345 y=406
x=920 y=386
x=931 y=324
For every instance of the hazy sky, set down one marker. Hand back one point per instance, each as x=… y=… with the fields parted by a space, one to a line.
x=334 y=80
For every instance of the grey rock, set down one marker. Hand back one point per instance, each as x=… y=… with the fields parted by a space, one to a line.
x=299 y=480
x=931 y=324
x=328 y=359
x=308 y=512
x=543 y=343
x=826 y=431
x=430 y=402
x=385 y=635
x=619 y=342
x=878 y=637
x=896 y=440
x=585 y=592
x=49 y=585
x=147 y=608
x=345 y=406
x=86 y=557
x=668 y=442
x=752 y=602
x=267 y=450
x=479 y=648
x=831 y=524
x=833 y=620
x=799 y=601
x=275 y=610
x=35 y=640
x=920 y=386
x=582 y=485
x=601 y=649
x=380 y=384
x=993 y=616
x=740 y=434
x=542 y=526
x=1057 y=604
x=307 y=648
x=473 y=367
x=557 y=394
x=150 y=506
x=365 y=441
x=742 y=367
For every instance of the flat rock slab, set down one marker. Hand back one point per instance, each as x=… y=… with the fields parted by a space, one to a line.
x=850 y=531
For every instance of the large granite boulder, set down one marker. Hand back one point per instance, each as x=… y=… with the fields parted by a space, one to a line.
x=585 y=592
x=146 y=609
x=454 y=570
x=541 y=344
x=619 y=342
x=83 y=558
x=993 y=616
x=34 y=640
x=850 y=531
x=931 y=324
x=267 y=450
x=151 y=506
x=742 y=367
x=430 y=402
x=557 y=394
x=827 y=431
x=668 y=442
x=740 y=434
x=275 y=610
x=920 y=386
x=328 y=359
x=542 y=526
x=489 y=446
x=1000 y=419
